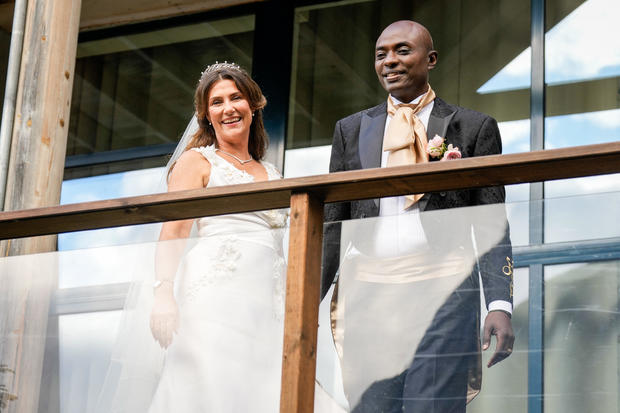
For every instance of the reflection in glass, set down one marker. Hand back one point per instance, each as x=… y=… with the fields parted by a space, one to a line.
x=379 y=306
x=583 y=68
x=583 y=217
x=228 y=301
x=137 y=89
x=315 y=160
x=581 y=298
x=307 y=161
x=229 y=289
x=111 y=186
x=85 y=346
x=5 y=41
x=583 y=45
x=582 y=128
x=405 y=315
x=107 y=264
x=333 y=48
x=504 y=384
x=563 y=223
x=581 y=337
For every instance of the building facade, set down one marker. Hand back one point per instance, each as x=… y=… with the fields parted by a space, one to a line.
x=135 y=74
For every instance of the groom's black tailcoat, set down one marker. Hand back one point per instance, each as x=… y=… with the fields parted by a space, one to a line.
x=357 y=144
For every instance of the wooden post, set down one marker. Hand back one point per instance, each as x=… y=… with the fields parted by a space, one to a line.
x=303 y=284
x=34 y=180
x=43 y=105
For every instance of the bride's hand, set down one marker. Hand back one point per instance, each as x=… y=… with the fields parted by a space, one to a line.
x=164 y=316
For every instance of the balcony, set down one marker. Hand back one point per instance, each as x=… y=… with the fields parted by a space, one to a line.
x=74 y=320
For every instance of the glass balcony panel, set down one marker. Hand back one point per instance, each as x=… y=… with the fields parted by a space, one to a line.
x=581 y=336
x=408 y=290
x=89 y=341
x=585 y=217
x=89 y=346
x=102 y=243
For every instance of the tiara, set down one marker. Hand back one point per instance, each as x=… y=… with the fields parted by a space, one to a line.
x=218 y=66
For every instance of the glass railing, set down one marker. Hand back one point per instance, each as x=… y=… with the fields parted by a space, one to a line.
x=101 y=327
x=403 y=327
x=180 y=325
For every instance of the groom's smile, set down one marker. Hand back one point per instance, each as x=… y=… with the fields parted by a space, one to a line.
x=403 y=57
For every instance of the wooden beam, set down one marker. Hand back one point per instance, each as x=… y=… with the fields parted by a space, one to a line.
x=99 y=14
x=96 y=14
x=363 y=184
x=303 y=280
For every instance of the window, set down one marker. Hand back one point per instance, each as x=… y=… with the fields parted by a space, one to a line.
x=133 y=93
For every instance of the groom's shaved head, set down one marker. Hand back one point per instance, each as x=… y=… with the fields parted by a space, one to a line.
x=403 y=57
x=415 y=29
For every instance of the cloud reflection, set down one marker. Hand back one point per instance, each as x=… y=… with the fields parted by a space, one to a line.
x=585 y=45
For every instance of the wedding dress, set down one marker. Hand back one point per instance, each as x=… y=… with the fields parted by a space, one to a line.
x=226 y=354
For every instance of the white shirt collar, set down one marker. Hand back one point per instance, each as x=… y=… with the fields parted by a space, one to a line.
x=398 y=102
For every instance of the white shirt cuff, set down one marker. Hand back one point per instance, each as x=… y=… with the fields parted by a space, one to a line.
x=501 y=305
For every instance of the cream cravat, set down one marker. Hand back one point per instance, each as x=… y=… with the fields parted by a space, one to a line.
x=405 y=138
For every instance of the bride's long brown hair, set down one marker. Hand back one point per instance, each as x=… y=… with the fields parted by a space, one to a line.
x=205 y=135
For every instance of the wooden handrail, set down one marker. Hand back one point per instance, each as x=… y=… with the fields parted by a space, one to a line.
x=363 y=184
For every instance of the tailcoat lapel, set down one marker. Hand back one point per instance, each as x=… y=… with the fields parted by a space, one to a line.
x=371 y=136
x=441 y=115
x=438 y=122
x=372 y=127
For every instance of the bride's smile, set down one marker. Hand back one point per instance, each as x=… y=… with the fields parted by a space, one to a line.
x=229 y=113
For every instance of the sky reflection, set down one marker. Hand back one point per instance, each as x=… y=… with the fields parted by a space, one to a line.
x=585 y=45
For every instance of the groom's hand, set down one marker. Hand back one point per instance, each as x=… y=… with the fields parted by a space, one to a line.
x=498 y=323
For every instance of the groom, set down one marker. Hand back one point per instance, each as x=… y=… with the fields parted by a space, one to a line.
x=439 y=377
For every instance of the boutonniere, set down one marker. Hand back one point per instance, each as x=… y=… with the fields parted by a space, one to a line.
x=437 y=148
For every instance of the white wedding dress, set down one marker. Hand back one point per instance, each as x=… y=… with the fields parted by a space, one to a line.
x=226 y=355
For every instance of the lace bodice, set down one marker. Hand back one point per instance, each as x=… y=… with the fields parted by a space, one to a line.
x=224 y=173
x=227 y=232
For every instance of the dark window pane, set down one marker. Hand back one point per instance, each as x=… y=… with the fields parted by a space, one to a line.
x=137 y=90
x=333 y=72
x=5 y=41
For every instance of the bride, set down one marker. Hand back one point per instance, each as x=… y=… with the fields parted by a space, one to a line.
x=218 y=309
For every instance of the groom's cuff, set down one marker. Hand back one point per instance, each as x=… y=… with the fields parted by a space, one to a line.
x=500 y=305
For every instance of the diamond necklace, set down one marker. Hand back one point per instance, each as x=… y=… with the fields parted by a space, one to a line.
x=241 y=161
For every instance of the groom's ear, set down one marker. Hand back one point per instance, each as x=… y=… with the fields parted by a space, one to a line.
x=432 y=59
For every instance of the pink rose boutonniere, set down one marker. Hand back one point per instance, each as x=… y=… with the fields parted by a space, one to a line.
x=451 y=152
x=437 y=148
